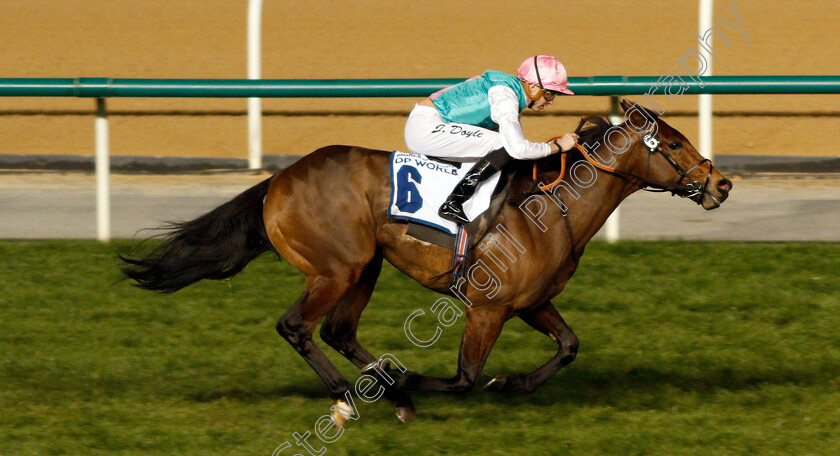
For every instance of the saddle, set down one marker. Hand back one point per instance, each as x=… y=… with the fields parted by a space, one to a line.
x=477 y=228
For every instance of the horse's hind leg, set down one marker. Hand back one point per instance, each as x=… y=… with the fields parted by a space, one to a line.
x=328 y=238
x=548 y=321
x=298 y=323
x=340 y=326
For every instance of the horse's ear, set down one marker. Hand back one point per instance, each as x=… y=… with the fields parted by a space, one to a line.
x=627 y=105
x=639 y=118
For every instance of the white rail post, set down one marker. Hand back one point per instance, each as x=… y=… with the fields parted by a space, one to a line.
x=254 y=104
x=704 y=108
x=103 y=171
x=611 y=228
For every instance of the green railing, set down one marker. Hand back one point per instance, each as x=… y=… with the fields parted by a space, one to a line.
x=331 y=88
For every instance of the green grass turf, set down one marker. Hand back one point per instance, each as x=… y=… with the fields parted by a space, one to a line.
x=686 y=348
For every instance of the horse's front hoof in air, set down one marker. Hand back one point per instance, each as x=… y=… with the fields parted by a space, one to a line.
x=497 y=384
x=504 y=383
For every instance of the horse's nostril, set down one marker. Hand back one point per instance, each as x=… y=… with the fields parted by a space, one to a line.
x=725 y=185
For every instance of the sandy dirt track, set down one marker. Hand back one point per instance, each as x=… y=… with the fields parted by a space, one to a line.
x=362 y=39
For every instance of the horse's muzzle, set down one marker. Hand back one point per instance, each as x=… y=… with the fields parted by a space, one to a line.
x=724 y=186
x=715 y=195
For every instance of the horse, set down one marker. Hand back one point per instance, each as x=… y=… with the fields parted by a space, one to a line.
x=327 y=215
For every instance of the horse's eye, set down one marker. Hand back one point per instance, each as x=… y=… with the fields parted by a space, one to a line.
x=675 y=145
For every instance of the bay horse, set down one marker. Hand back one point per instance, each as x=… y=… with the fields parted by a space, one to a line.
x=327 y=215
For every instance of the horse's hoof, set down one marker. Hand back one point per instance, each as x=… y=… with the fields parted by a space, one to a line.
x=338 y=418
x=406 y=414
x=405 y=407
x=497 y=384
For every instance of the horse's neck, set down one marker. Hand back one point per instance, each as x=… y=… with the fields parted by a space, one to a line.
x=598 y=201
x=588 y=213
x=590 y=203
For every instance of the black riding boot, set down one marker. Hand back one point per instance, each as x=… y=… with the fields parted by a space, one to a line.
x=453 y=208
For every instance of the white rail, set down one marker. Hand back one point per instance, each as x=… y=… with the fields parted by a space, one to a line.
x=254 y=104
x=704 y=109
x=611 y=226
x=103 y=171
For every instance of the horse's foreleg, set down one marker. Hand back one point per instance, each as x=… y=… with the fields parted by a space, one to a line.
x=548 y=321
x=482 y=330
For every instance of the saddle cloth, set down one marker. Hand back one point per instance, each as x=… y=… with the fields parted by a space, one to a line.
x=420 y=185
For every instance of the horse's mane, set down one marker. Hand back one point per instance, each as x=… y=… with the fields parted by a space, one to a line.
x=591 y=130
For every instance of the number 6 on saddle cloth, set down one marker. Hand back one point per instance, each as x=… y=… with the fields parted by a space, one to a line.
x=420 y=185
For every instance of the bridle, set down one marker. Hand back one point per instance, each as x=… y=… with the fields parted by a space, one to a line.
x=693 y=189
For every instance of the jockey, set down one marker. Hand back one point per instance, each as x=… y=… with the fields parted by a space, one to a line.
x=479 y=119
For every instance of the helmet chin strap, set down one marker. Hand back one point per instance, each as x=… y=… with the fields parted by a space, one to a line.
x=539 y=80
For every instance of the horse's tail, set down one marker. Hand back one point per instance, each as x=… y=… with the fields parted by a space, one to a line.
x=216 y=245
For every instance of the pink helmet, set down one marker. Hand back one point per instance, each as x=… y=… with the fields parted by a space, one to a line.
x=546 y=72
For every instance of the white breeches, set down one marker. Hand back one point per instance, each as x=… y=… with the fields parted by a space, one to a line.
x=426 y=133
